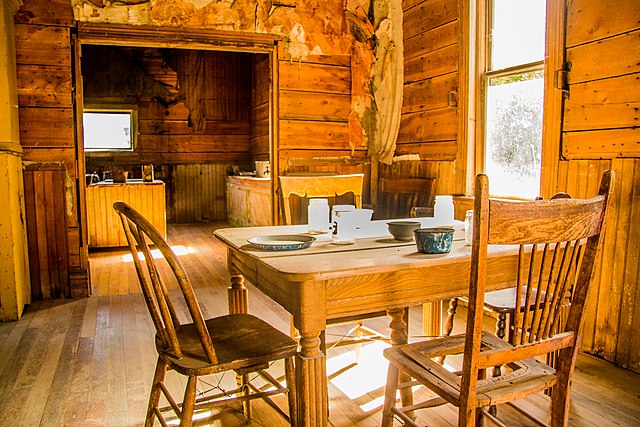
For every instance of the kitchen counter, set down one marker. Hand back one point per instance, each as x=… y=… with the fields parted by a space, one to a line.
x=249 y=200
x=104 y=226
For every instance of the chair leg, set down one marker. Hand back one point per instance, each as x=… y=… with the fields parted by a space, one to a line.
x=451 y=312
x=154 y=397
x=561 y=394
x=242 y=381
x=390 y=396
x=358 y=346
x=289 y=372
x=189 y=401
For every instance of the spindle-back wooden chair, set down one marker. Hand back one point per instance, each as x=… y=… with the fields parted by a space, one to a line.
x=558 y=242
x=404 y=197
x=500 y=304
x=196 y=347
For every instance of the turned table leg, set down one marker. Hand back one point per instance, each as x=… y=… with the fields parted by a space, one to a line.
x=311 y=376
x=399 y=336
x=238 y=295
x=432 y=319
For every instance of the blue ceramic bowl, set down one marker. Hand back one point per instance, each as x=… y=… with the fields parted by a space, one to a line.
x=434 y=240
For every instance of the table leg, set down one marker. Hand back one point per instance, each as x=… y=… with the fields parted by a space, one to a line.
x=238 y=295
x=432 y=319
x=311 y=376
x=398 y=337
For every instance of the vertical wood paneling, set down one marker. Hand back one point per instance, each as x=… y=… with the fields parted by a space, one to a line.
x=611 y=321
x=199 y=193
x=104 y=227
x=46 y=211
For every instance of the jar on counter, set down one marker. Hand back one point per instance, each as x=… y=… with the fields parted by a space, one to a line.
x=468 y=227
x=318 y=216
x=444 y=210
x=344 y=227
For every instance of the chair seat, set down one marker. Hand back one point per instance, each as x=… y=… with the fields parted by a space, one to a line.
x=527 y=376
x=240 y=341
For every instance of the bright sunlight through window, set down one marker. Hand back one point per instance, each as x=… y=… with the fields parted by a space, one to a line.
x=108 y=130
x=514 y=89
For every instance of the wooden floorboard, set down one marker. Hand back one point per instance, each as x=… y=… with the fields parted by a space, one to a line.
x=89 y=362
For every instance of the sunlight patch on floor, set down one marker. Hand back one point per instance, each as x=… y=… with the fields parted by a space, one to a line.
x=179 y=250
x=358 y=380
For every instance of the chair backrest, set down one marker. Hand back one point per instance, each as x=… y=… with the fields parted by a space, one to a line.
x=140 y=235
x=319 y=186
x=398 y=196
x=558 y=240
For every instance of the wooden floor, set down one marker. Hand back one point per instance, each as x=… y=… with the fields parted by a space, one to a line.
x=90 y=362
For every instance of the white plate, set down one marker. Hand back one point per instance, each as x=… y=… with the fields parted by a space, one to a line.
x=282 y=242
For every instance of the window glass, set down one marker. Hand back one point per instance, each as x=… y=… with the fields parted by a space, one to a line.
x=513 y=97
x=108 y=130
x=514 y=134
x=518 y=32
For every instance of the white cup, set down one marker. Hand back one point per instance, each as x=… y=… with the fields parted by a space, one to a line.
x=344 y=227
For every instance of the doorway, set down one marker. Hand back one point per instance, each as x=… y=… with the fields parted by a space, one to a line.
x=203 y=107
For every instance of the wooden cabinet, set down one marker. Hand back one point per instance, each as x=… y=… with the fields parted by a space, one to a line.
x=249 y=201
x=105 y=229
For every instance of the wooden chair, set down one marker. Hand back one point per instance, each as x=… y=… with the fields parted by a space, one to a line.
x=404 y=197
x=551 y=237
x=331 y=186
x=500 y=304
x=318 y=186
x=234 y=342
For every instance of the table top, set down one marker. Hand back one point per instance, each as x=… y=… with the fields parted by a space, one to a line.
x=374 y=250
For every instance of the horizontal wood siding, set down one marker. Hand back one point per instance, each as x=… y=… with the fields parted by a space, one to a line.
x=165 y=135
x=197 y=193
x=602 y=114
x=429 y=123
x=314 y=101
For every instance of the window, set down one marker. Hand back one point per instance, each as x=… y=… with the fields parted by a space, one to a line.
x=513 y=96
x=109 y=129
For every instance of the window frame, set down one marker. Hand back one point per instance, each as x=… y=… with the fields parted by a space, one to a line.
x=131 y=109
x=485 y=73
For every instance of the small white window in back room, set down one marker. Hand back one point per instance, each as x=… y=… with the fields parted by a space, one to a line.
x=109 y=130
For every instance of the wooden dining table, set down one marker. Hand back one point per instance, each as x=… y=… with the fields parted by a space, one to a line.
x=327 y=281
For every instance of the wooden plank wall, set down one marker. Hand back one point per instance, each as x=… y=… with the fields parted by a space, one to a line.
x=260 y=108
x=429 y=125
x=46 y=212
x=612 y=319
x=44 y=71
x=198 y=193
x=164 y=133
x=600 y=131
x=429 y=122
x=315 y=101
